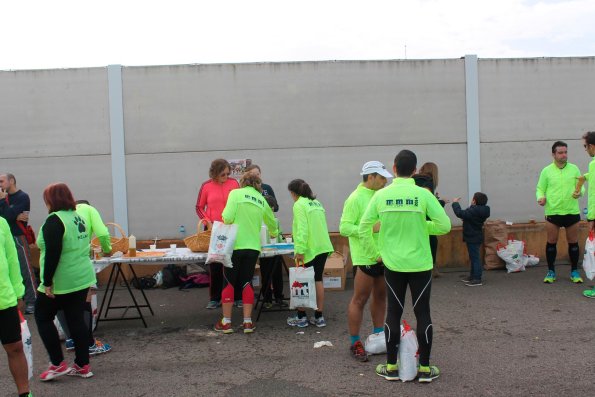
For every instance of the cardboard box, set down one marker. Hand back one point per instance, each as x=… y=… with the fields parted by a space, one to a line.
x=333 y=277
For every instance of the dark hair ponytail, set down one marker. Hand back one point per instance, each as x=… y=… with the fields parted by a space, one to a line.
x=301 y=188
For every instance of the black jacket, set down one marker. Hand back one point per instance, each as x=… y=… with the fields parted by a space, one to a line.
x=473 y=219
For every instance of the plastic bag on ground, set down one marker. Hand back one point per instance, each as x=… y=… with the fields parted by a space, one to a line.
x=376 y=343
x=513 y=255
x=408 y=357
x=302 y=288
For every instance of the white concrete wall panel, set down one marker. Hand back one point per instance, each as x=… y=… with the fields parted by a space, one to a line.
x=536 y=99
x=59 y=112
x=511 y=171
x=89 y=177
x=310 y=104
x=163 y=187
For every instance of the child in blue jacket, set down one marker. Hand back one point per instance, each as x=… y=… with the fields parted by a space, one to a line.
x=473 y=220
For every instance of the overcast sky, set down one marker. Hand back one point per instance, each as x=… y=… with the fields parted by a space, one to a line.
x=40 y=34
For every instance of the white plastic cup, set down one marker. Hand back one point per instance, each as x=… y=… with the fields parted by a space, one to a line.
x=288 y=240
x=172 y=248
x=152 y=247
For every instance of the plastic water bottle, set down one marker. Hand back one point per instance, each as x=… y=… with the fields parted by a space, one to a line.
x=585 y=212
x=182 y=232
x=408 y=357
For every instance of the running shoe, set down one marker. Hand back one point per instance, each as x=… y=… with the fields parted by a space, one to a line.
x=465 y=279
x=225 y=328
x=297 y=322
x=213 y=304
x=575 y=277
x=81 y=372
x=319 y=322
x=589 y=293
x=550 y=277
x=69 y=344
x=474 y=283
x=30 y=309
x=268 y=305
x=427 y=374
x=249 y=327
x=358 y=352
x=99 y=348
x=238 y=303
x=381 y=370
x=54 y=371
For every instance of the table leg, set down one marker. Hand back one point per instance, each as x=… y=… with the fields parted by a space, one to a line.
x=141 y=290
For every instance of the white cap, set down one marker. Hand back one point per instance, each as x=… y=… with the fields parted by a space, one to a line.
x=377 y=167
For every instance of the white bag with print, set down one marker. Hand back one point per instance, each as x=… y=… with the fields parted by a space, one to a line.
x=302 y=288
x=223 y=239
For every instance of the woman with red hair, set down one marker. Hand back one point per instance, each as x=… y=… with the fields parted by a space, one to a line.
x=66 y=274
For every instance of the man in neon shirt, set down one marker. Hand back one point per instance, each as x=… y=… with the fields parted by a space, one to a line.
x=404 y=248
x=369 y=275
x=556 y=193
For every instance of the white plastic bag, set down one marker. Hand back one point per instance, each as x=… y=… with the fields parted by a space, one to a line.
x=376 y=343
x=589 y=259
x=513 y=256
x=223 y=238
x=27 y=347
x=61 y=333
x=408 y=357
x=94 y=310
x=302 y=288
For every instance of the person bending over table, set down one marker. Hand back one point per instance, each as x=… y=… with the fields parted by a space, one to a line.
x=95 y=226
x=210 y=203
x=246 y=208
x=66 y=274
x=312 y=245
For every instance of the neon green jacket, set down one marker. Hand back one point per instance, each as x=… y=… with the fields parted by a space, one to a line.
x=75 y=270
x=557 y=185
x=403 y=241
x=95 y=225
x=247 y=208
x=309 y=229
x=11 y=281
x=353 y=209
x=590 y=176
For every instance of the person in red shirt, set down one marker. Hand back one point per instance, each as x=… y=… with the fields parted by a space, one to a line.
x=212 y=197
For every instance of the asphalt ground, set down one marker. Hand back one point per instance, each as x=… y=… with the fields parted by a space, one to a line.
x=513 y=336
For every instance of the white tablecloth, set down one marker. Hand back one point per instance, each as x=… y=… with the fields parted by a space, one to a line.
x=183 y=256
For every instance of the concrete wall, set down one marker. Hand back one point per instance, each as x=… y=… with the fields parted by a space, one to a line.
x=319 y=121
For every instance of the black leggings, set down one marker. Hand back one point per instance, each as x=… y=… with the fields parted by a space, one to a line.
x=88 y=323
x=73 y=305
x=244 y=262
x=420 y=284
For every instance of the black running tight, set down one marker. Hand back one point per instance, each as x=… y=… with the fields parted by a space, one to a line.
x=420 y=284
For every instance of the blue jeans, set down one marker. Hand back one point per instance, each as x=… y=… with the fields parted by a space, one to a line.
x=476 y=268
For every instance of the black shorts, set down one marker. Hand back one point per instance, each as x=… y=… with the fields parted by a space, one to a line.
x=563 y=220
x=10 y=326
x=318 y=263
x=373 y=271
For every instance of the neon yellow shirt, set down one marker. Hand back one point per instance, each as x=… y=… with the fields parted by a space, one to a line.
x=11 y=281
x=75 y=270
x=403 y=241
x=353 y=209
x=557 y=186
x=309 y=229
x=247 y=208
x=95 y=225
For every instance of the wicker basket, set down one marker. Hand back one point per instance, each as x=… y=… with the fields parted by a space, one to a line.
x=118 y=243
x=200 y=241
